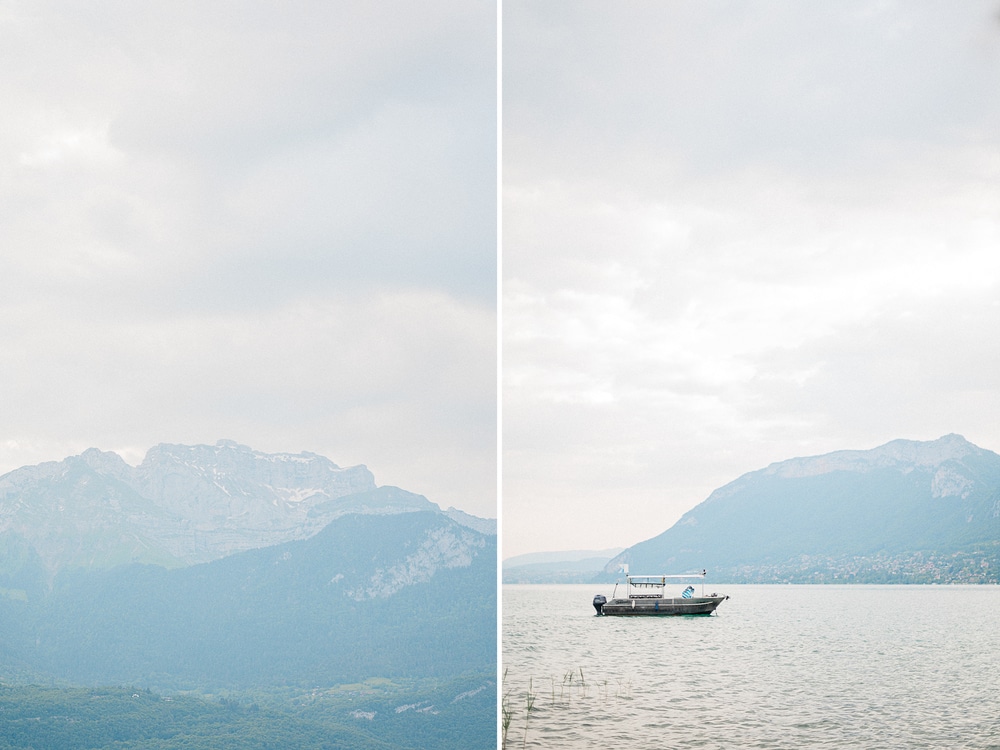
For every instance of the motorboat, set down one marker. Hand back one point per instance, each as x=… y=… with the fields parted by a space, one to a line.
x=648 y=595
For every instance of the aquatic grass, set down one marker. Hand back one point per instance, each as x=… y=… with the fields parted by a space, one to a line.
x=573 y=687
x=506 y=712
x=529 y=706
x=624 y=689
x=567 y=678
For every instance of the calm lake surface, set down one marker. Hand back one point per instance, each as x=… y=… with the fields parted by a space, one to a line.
x=775 y=667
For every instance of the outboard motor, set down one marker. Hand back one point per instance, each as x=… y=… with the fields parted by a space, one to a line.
x=599 y=601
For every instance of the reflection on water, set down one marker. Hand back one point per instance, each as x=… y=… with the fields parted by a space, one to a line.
x=775 y=667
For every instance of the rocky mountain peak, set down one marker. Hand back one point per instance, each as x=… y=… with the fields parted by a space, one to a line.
x=107 y=463
x=904 y=454
x=183 y=503
x=228 y=459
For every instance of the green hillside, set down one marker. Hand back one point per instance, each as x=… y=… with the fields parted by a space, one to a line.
x=405 y=603
x=362 y=717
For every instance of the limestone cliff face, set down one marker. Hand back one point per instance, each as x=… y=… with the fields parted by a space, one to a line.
x=181 y=505
x=442 y=547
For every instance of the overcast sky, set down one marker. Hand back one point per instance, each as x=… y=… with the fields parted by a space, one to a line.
x=268 y=222
x=736 y=233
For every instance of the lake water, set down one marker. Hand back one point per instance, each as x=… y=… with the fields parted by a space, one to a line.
x=775 y=667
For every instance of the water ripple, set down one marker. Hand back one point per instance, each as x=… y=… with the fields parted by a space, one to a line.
x=776 y=667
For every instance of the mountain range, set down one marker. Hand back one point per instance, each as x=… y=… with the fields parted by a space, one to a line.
x=906 y=511
x=182 y=505
x=221 y=568
x=571 y=566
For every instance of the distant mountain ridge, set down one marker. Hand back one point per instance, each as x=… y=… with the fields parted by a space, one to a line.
x=567 y=556
x=570 y=566
x=906 y=511
x=180 y=506
x=904 y=455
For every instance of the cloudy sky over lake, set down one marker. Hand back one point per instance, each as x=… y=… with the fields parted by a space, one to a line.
x=735 y=233
x=267 y=222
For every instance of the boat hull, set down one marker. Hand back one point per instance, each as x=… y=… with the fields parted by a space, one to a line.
x=696 y=605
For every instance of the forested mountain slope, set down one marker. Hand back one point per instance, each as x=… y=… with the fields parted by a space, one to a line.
x=406 y=595
x=362 y=616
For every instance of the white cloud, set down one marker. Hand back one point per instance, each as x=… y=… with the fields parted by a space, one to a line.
x=729 y=236
x=269 y=223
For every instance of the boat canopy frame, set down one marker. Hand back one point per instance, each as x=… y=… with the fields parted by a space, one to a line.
x=654 y=587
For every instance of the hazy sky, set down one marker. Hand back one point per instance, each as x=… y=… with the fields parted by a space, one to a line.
x=268 y=222
x=735 y=233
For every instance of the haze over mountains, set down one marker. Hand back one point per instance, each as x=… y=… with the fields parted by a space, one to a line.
x=184 y=504
x=223 y=568
x=907 y=511
x=571 y=566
